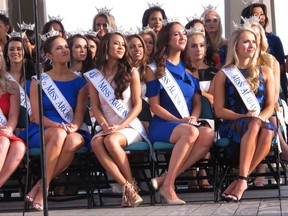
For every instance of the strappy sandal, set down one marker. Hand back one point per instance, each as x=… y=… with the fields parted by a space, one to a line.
x=234 y=197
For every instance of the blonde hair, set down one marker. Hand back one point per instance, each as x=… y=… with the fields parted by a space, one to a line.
x=232 y=58
x=4 y=83
x=219 y=40
x=264 y=57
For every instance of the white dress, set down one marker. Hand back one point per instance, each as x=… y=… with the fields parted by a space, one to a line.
x=131 y=134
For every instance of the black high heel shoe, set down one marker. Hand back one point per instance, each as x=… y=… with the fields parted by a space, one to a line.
x=234 y=197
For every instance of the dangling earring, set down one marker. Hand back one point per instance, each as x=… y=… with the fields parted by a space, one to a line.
x=51 y=62
x=106 y=57
x=7 y=59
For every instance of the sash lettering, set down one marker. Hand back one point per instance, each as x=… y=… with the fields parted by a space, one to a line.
x=243 y=88
x=174 y=92
x=3 y=120
x=58 y=100
x=107 y=92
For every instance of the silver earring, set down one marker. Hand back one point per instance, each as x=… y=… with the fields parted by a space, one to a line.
x=106 y=57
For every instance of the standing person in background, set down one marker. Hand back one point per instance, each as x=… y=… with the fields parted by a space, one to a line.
x=275 y=43
x=214 y=30
x=102 y=21
x=28 y=35
x=122 y=86
x=5 y=28
x=244 y=115
x=153 y=17
x=150 y=37
x=12 y=148
x=63 y=132
x=170 y=123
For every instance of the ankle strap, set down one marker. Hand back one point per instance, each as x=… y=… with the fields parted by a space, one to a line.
x=242 y=177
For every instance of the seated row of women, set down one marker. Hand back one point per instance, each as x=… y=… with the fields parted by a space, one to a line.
x=241 y=98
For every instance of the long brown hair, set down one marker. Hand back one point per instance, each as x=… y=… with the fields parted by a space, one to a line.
x=123 y=76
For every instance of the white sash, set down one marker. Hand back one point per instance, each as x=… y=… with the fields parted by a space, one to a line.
x=174 y=92
x=3 y=120
x=58 y=100
x=107 y=92
x=23 y=95
x=243 y=88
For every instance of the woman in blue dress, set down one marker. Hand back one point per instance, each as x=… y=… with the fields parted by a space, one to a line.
x=62 y=138
x=191 y=142
x=250 y=134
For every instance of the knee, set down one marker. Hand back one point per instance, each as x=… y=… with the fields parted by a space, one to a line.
x=191 y=134
x=254 y=125
x=111 y=145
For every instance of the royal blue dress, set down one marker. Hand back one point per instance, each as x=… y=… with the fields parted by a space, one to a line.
x=70 y=91
x=160 y=129
x=235 y=129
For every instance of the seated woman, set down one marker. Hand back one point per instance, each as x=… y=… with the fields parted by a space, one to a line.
x=244 y=99
x=175 y=99
x=64 y=130
x=200 y=66
x=115 y=93
x=12 y=148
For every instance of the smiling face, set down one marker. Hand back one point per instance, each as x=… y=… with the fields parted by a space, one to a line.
x=15 y=52
x=117 y=47
x=136 y=49
x=178 y=37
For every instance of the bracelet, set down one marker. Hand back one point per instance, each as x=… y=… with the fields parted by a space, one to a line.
x=103 y=122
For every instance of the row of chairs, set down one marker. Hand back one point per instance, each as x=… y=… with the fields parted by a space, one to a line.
x=220 y=167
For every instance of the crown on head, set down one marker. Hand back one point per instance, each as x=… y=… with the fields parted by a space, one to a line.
x=25 y=26
x=195 y=17
x=247 y=22
x=195 y=30
x=14 y=34
x=144 y=28
x=92 y=33
x=130 y=32
x=49 y=34
x=57 y=18
x=209 y=7
x=250 y=2
x=4 y=12
x=78 y=31
x=104 y=10
x=156 y=4
x=169 y=20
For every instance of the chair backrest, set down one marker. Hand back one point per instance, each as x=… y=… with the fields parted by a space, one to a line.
x=207 y=111
x=23 y=118
x=145 y=114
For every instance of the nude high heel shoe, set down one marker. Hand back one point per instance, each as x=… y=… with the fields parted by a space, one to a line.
x=169 y=201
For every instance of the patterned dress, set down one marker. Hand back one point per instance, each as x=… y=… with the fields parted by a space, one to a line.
x=235 y=129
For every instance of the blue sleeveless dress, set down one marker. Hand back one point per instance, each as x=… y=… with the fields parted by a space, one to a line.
x=70 y=91
x=160 y=129
x=235 y=129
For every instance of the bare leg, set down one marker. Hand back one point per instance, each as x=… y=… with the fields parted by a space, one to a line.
x=106 y=160
x=184 y=137
x=12 y=160
x=72 y=143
